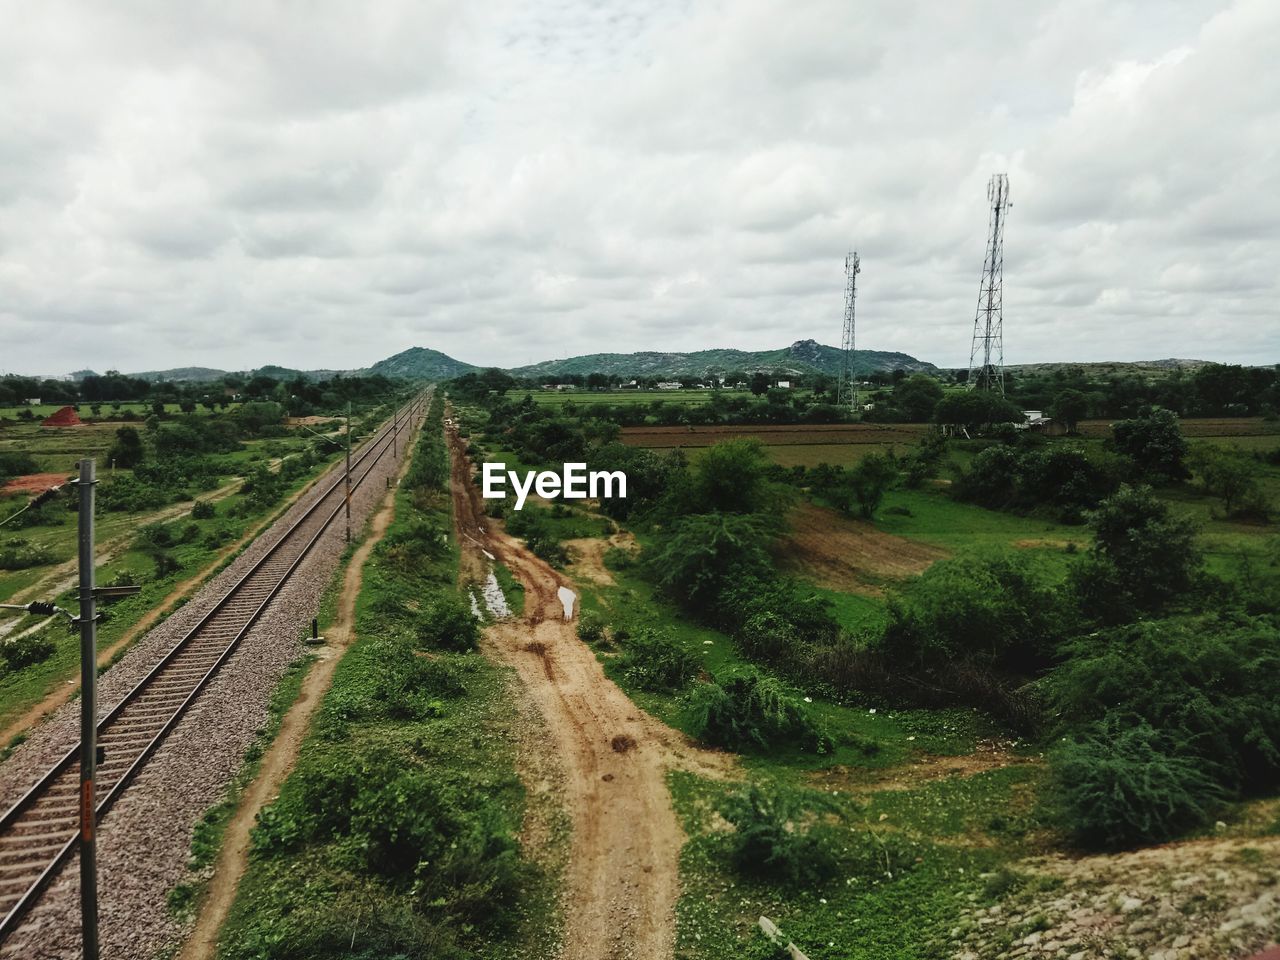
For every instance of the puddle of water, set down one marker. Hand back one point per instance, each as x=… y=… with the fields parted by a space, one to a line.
x=493 y=598
x=567 y=597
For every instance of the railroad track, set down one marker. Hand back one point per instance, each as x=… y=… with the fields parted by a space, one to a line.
x=41 y=830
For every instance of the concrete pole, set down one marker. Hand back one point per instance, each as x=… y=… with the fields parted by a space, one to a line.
x=88 y=716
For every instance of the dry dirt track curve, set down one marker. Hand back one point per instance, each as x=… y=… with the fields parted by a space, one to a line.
x=623 y=875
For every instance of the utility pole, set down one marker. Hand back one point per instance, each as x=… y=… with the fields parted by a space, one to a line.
x=348 y=490
x=88 y=715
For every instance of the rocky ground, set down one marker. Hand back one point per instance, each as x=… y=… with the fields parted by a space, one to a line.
x=1203 y=900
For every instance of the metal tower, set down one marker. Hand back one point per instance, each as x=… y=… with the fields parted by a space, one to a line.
x=847 y=388
x=986 y=356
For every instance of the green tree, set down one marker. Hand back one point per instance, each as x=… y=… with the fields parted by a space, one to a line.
x=759 y=383
x=1070 y=407
x=1142 y=557
x=127 y=451
x=732 y=477
x=1228 y=475
x=918 y=396
x=975 y=409
x=699 y=556
x=870 y=479
x=1153 y=440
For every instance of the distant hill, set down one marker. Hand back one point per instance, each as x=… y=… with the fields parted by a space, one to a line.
x=803 y=356
x=1102 y=368
x=419 y=363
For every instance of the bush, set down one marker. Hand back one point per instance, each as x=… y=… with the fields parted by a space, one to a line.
x=166 y=564
x=202 y=510
x=1118 y=785
x=20 y=555
x=449 y=847
x=770 y=841
x=1143 y=558
x=591 y=627
x=127 y=451
x=27 y=650
x=1212 y=683
x=1154 y=443
x=652 y=659
x=997 y=612
x=17 y=464
x=769 y=638
x=699 y=556
x=446 y=623
x=744 y=707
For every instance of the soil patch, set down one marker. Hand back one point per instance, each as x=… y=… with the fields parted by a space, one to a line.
x=34 y=482
x=842 y=553
x=622 y=876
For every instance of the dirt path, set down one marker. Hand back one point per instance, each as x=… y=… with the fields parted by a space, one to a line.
x=65 y=691
x=622 y=878
x=851 y=555
x=281 y=756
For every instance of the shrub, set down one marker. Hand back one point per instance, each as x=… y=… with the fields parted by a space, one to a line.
x=446 y=623
x=26 y=650
x=994 y=611
x=591 y=627
x=19 y=554
x=1210 y=682
x=127 y=451
x=17 y=464
x=870 y=479
x=701 y=555
x=1118 y=785
x=1142 y=558
x=166 y=564
x=771 y=841
x=768 y=637
x=652 y=659
x=1154 y=443
x=450 y=848
x=744 y=707
x=202 y=510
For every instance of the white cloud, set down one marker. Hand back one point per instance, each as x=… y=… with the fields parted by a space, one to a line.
x=323 y=185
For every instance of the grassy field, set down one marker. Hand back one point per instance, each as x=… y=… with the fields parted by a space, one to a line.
x=107 y=411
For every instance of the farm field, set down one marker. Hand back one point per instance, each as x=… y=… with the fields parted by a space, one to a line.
x=799 y=434
x=558 y=398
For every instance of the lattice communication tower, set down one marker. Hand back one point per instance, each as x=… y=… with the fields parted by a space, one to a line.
x=986 y=356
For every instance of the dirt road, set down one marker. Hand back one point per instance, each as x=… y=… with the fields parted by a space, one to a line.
x=622 y=878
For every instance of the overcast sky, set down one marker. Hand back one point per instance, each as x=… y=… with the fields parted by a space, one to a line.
x=324 y=184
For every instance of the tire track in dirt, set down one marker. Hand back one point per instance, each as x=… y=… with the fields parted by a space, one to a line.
x=623 y=873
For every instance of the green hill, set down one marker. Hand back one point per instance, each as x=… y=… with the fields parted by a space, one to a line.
x=419 y=363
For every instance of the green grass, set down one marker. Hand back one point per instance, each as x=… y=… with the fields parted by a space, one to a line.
x=466 y=743
x=933 y=517
x=512 y=588
x=866 y=736
x=868 y=912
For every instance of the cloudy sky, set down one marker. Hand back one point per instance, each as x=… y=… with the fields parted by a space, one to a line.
x=323 y=184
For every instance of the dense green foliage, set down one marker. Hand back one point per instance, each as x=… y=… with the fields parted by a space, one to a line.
x=745 y=708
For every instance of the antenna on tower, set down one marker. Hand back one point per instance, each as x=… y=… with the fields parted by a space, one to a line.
x=847 y=388
x=987 y=373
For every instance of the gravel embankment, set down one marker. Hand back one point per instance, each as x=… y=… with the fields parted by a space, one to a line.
x=144 y=842
x=1204 y=900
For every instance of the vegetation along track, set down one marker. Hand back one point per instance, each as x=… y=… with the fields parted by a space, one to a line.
x=40 y=831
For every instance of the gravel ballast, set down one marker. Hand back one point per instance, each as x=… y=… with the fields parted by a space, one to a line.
x=144 y=843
